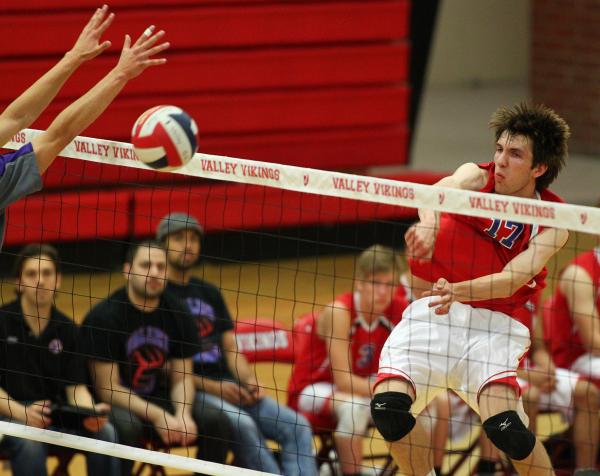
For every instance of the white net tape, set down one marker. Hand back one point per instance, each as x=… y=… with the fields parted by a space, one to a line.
x=121 y=451
x=336 y=184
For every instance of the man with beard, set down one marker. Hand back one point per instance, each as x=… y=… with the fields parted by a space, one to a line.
x=42 y=365
x=141 y=341
x=222 y=374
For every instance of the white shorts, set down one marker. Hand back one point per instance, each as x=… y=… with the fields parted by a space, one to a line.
x=315 y=398
x=561 y=398
x=463 y=350
x=587 y=365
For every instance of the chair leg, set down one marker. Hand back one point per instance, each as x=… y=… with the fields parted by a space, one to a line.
x=64 y=459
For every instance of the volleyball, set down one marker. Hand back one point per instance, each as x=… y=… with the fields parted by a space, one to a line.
x=165 y=138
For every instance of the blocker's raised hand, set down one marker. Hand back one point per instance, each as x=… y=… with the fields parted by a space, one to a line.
x=88 y=44
x=139 y=56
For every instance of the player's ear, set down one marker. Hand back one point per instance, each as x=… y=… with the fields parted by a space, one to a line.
x=58 y=281
x=539 y=170
x=359 y=283
x=126 y=270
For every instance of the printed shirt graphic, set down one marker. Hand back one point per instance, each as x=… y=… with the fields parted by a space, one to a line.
x=470 y=247
x=147 y=351
x=205 y=303
x=142 y=343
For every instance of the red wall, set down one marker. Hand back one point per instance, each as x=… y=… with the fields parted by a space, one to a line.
x=318 y=84
x=251 y=73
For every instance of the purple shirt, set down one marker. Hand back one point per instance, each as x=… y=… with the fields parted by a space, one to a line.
x=19 y=176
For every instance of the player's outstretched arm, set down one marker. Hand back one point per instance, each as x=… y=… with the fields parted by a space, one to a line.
x=24 y=110
x=333 y=327
x=421 y=236
x=517 y=273
x=135 y=58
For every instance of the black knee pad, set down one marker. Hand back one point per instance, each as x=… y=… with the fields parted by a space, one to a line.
x=508 y=433
x=391 y=415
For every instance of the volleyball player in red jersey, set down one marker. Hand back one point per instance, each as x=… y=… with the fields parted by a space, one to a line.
x=572 y=317
x=474 y=273
x=338 y=354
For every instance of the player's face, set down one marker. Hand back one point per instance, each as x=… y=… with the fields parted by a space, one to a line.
x=39 y=280
x=376 y=292
x=515 y=174
x=183 y=249
x=148 y=273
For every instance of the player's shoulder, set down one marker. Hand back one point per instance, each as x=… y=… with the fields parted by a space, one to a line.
x=472 y=176
x=109 y=308
x=204 y=286
x=11 y=316
x=61 y=318
x=12 y=308
x=209 y=293
x=171 y=302
x=549 y=196
x=586 y=264
x=343 y=301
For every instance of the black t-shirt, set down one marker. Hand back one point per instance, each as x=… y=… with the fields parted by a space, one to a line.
x=141 y=342
x=39 y=367
x=206 y=304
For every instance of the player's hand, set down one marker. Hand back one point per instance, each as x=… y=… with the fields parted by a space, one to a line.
x=543 y=376
x=541 y=379
x=420 y=239
x=95 y=423
x=255 y=390
x=188 y=432
x=88 y=44
x=139 y=56
x=168 y=428
x=442 y=296
x=37 y=414
x=235 y=394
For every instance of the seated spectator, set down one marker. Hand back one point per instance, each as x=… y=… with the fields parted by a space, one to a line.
x=572 y=328
x=42 y=365
x=338 y=355
x=141 y=341
x=222 y=375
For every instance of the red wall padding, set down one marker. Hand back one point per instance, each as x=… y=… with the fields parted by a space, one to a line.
x=69 y=217
x=225 y=71
x=247 y=207
x=233 y=113
x=285 y=23
x=135 y=212
x=318 y=84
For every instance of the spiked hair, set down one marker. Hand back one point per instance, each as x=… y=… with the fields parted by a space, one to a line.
x=547 y=131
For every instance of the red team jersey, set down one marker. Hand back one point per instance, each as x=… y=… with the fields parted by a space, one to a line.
x=312 y=362
x=559 y=328
x=470 y=247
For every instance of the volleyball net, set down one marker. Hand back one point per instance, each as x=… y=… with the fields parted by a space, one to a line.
x=280 y=243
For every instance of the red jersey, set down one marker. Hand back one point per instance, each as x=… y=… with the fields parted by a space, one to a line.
x=559 y=328
x=470 y=247
x=312 y=364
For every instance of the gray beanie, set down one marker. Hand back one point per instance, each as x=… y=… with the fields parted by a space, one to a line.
x=175 y=222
